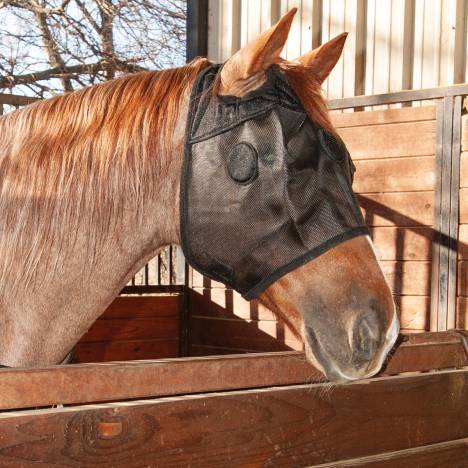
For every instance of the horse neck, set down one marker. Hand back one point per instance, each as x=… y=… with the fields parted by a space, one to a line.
x=41 y=325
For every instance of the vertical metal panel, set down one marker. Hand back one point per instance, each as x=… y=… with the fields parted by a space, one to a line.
x=393 y=44
x=197 y=29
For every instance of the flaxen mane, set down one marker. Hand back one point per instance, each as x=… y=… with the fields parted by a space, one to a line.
x=80 y=159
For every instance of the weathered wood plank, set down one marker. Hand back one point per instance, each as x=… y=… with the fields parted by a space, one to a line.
x=464 y=206
x=464 y=169
x=144 y=306
x=442 y=455
x=226 y=303
x=400 y=243
x=129 y=329
x=462 y=313
x=398 y=209
x=291 y=426
x=414 y=312
x=386 y=116
x=464 y=142
x=463 y=278
x=141 y=379
x=394 y=175
x=463 y=242
x=245 y=334
x=126 y=350
x=391 y=140
x=23 y=388
x=408 y=278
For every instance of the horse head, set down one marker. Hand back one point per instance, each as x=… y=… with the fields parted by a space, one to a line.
x=282 y=194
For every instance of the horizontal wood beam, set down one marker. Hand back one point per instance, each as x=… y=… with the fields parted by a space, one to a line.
x=14 y=100
x=400 y=96
x=298 y=425
x=84 y=383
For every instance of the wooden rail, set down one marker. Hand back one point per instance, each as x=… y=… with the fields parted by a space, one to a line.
x=142 y=379
x=292 y=426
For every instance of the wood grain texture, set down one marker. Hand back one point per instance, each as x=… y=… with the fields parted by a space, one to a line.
x=408 y=278
x=126 y=350
x=142 y=379
x=442 y=455
x=464 y=141
x=226 y=304
x=463 y=242
x=394 y=175
x=463 y=278
x=144 y=306
x=391 y=140
x=400 y=243
x=246 y=335
x=413 y=312
x=132 y=328
x=464 y=169
x=398 y=209
x=385 y=116
x=464 y=206
x=292 y=426
x=462 y=313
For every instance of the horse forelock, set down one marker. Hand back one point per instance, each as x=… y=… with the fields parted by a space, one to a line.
x=81 y=159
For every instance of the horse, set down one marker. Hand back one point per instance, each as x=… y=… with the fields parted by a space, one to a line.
x=90 y=193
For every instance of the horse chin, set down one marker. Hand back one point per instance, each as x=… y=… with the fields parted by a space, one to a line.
x=345 y=370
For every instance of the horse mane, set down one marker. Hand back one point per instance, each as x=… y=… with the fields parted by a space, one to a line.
x=79 y=159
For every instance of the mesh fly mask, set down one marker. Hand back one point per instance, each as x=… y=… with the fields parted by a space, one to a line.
x=263 y=190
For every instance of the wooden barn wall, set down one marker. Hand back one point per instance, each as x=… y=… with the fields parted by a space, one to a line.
x=395 y=183
x=392 y=45
x=133 y=327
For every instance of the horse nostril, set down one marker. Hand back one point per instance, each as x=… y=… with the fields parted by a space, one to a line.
x=365 y=338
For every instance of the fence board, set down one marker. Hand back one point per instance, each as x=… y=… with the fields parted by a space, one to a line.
x=386 y=116
x=391 y=140
x=463 y=278
x=441 y=455
x=129 y=350
x=464 y=169
x=141 y=379
x=131 y=328
x=408 y=278
x=398 y=243
x=288 y=426
x=144 y=306
x=394 y=175
x=398 y=209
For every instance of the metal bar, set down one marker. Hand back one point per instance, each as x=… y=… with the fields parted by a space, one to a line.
x=454 y=212
x=401 y=96
x=197 y=29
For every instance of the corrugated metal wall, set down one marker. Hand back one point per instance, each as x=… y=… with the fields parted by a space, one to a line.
x=392 y=44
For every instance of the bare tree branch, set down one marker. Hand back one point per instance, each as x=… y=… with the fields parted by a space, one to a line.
x=49 y=46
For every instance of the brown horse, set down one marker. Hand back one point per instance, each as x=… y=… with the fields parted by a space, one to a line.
x=90 y=193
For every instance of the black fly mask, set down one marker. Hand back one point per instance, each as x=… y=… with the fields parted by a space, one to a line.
x=263 y=189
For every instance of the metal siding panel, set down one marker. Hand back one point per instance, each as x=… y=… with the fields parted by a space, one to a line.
x=292 y=49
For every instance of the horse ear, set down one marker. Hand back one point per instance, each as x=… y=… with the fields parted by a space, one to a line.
x=323 y=59
x=246 y=64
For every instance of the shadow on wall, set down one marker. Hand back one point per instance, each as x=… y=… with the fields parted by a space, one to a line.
x=221 y=322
